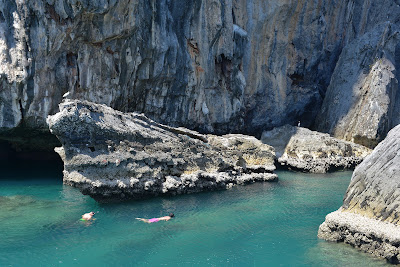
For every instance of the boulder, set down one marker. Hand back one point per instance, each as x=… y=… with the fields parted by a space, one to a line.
x=301 y=149
x=111 y=155
x=370 y=214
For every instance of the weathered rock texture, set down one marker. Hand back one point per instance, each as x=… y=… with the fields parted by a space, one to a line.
x=176 y=61
x=112 y=155
x=378 y=238
x=292 y=50
x=301 y=149
x=217 y=66
x=360 y=104
x=370 y=214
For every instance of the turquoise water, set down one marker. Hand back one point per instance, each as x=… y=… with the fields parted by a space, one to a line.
x=263 y=224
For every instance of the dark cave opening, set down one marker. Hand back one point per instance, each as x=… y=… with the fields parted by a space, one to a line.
x=28 y=164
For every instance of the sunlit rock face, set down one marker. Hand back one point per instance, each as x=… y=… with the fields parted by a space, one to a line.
x=360 y=104
x=374 y=187
x=370 y=214
x=177 y=61
x=213 y=66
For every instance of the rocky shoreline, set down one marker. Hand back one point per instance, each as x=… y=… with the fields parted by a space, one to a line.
x=114 y=156
x=370 y=214
x=216 y=67
x=381 y=239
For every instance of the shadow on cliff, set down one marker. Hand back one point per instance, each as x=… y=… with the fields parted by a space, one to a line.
x=279 y=138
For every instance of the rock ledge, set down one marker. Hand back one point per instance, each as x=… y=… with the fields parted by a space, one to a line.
x=381 y=239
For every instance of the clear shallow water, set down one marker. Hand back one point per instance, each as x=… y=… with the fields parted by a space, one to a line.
x=264 y=224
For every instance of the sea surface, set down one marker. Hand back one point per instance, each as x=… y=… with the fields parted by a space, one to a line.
x=263 y=224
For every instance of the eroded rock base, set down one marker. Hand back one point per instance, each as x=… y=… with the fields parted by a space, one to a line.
x=379 y=238
x=171 y=185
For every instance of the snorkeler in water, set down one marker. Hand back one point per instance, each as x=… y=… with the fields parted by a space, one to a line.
x=152 y=220
x=88 y=216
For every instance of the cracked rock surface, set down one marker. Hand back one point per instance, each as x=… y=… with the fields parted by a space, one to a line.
x=113 y=156
x=381 y=239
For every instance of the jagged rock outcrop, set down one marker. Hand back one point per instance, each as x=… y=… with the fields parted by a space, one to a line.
x=216 y=66
x=370 y=214
x=111 y=155
x=301 y=149
x=360 y=103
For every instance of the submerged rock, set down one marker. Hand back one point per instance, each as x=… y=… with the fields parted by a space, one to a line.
x=111 y=155
x=370 y=214
x=302 y=149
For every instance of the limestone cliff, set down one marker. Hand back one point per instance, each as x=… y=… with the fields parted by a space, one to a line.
x=111 y=155
x=370 y=214
x=216 y=66
x=360 y=103
x=177 y=61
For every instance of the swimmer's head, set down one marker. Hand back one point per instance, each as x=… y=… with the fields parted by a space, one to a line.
x=171 y=215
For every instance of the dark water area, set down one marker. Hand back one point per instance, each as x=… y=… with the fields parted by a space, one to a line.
x=19 y=164
x=263 y=224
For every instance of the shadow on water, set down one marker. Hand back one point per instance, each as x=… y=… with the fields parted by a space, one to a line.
x=21 y=165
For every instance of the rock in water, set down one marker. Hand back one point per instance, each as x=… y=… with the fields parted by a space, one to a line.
x=302 y=149
x=370 y=214
x=111 y=155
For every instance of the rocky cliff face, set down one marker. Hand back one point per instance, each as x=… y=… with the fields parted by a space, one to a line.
x=216 y=66
x=292 y=51
x=177 y=61
x=361 y=103
x=369 y=217
x=111 y=155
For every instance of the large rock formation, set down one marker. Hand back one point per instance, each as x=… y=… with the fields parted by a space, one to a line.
x=177 y=61
x=216 y=66
x=112 y=155
x=369 y=218
x=292 y=50
x=301 y=149
x=361 y=104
